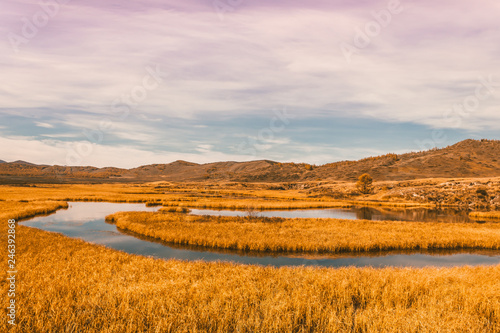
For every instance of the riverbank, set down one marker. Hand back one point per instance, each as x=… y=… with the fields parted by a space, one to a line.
x=66 y=284
x=307 y=235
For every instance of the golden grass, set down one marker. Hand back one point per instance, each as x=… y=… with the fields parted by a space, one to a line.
x=67 y=285
x=257 y=204
x=23 y=210
x=307 y=235
x=193 y=197
x=486 y=215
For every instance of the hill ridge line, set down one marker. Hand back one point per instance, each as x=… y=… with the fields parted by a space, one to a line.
x=468 y=158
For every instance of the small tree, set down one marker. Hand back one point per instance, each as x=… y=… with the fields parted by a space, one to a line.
x=364 y=184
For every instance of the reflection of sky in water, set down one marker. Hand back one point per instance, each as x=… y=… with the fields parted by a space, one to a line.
x=356 y=213
x=305 y=213
x=85 y=211
x=85 y=220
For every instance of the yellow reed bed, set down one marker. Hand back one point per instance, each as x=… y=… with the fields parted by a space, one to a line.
x=307 y=235
x=67 y=285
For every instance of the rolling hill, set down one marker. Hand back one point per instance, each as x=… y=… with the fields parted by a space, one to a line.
x=469 y=158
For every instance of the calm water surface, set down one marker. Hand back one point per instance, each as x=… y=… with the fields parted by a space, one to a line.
x=85 y=220
x=356 y=213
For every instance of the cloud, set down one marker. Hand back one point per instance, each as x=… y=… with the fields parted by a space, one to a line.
x=76 y=153
x=44 y=125
x=204 y=148
x=262 y=55
x=61 y=135
x=84 y=153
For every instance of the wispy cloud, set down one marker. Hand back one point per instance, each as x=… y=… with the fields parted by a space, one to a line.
x=262 y=56
x=44 y=125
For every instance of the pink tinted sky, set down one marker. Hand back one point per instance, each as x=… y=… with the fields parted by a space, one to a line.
x=256 y=56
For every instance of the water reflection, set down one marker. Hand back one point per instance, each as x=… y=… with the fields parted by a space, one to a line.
x=358 y=213
x=85 y=220
x=364 y=213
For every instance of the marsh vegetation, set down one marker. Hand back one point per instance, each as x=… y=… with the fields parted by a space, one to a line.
x=307 y=235
x=67 y=285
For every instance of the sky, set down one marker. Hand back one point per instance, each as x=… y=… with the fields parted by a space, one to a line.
x=129 y=83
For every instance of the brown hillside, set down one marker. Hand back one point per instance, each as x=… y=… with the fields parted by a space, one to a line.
x=469 y=158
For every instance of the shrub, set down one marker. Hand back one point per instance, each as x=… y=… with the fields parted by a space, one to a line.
x=364 y=184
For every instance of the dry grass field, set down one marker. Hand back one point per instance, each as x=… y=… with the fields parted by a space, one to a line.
x=481 y=193
x=218 y=196
x=307 y=235
x=67 y=285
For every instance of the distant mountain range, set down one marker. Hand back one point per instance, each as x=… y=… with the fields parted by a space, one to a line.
x=469 y=158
